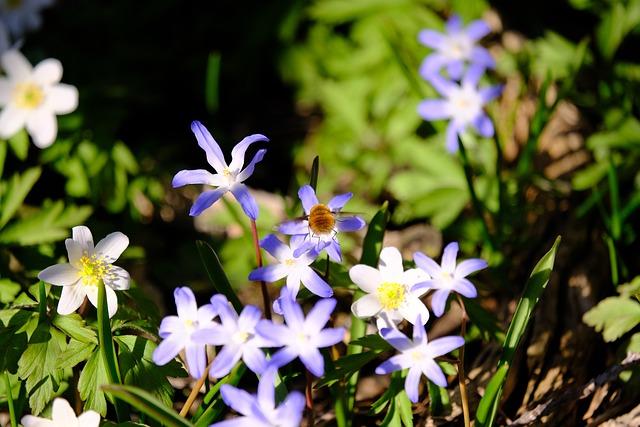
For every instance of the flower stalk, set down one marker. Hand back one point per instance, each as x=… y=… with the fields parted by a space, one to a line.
x=194 y=392
x=308 y=394
x=461 y=374
x=266 y=300
x=12 y=411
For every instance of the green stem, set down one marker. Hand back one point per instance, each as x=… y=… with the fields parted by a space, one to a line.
x=12 y=411
x=42 y=303
x=477 y=205
x=498 y=172
x=266 y=300
x=613 y=259
x=107 y=349
x=614 y=197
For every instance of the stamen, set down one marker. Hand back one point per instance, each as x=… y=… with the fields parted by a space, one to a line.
x=391 y=295
x=28 y=95
x=94 y=269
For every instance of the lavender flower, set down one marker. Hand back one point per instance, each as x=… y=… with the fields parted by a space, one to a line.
x=418 y=355
x=294 y=268
x=455 y=48
x=177 y=332
x=260 y=410
x=227 y=177
x=447 y=276
x=238 y=337
x=462 y=105
x=322 y=223
x=301 y=337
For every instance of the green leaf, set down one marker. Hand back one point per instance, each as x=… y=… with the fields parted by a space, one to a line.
x=75 y=327
x=17 y=189
x=346 y=366
x=19 y=144
x=76 y=352
x=147 y=404
x=590 y=176
x=373 y=341
x=614 y=317
x=403 y=405
x=315 y=168
x=212 y=83
x=38 y=366
x=216 y=273
x=438 y=398
x=488 y=406
x=123 y=157
x=8 y=290
x=92 y=378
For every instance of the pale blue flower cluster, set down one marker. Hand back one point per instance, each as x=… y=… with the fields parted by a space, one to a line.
x=465 y=62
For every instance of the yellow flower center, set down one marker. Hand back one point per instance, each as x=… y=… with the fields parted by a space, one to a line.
x=290 y=262
x=417 y=355
x=321 y=219
x=28 y=95
x=226 y=172
x=241 y=337
x=93 y=270
x=391 y=295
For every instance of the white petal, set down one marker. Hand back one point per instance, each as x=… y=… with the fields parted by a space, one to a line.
x=413 y=276
x=89 y=419
x=31 y=421
x=118 y=279
x=390 y=264
x=62 y=413
x=62 y=98
x=367 y=278
x=15 y=65
x=82 y=235
x=412 y=308
x=74 y=252
x=112 y=246
x=367 y=306
x=6 y=90
x=43 y=127
x=48 y=71
x=11 y=121
x=60 y=274
x=71 y=298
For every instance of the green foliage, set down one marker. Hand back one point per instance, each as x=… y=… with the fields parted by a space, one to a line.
x=535 y=286
x=615 y=316
x=216 y=274
x=92 y=378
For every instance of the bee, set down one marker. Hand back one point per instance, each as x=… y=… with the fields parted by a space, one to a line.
x=321 y=220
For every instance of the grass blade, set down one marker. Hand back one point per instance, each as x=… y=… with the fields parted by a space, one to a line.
x=147 y=404
x=216 y=273
x=488 y=406
x=315 y=167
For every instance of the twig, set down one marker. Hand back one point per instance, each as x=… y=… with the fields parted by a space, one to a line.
x=308 y=394
x=461 y=376
x=265 y=293
x=194 y=392
x=576 y=393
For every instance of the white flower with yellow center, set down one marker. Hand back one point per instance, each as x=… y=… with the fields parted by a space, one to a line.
x=62 y=416
x=88 y=268
x=32 y=97
x=389 y=295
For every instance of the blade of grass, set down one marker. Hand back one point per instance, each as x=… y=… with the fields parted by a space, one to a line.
x=12 y=411
x=216 y=273
x=538 y=280
x=315 y=168
x=147 y=404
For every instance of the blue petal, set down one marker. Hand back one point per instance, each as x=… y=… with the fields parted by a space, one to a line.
x=269 y=273
x=333 y=250
x=210 y=146
x=294 y=227
x=248 y=171
x=308 y=197
x=196 y=359
x=489 y=93
x=195 y=176
x=411 y=384
x=449 y=256
x=292 y=312
x=432 y=65
x=432 y=371
x=274 y=246
x=396 y=338
x=283 y=357
x=483 y=125
x=313 y=361
x=427 y=264
x=254 y=358
x=205 y=200
x=431 y=39
x=168 y=349
x=454 y=24
x=452 y=137
x=237 y=399
x=477 y=30
x=439 y=301
x=480 y=55
x=266 y=388
x=473 y=75
x=328 y=337
x=186 y=304
x=319 y=315
x=292 y=408
x=338 y=202
x=434 y=109
x=237 y=154
x=465 y=288
x=315 y=284
x=444 y=345
x=225 y=361
x=455 y=69
x=272 y=332
x=246 y=200
x=393 y=364
x=469 y=266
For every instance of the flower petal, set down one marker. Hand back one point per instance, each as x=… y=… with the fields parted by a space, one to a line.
x=112 y=246
x=249 y=318
x=394 y=363
x=308 y=197
x=62 y=413
x=449 y=256
x=480 y=55
x=82 y=235
x=333 y=250
x=419 y=333
x=195 y=176
x=291 y=409
x=488 y=94
x=439 y=301
x=112 y=298
x=43 y=127
x=427 y=264
x=71 y=298
x=74 y=252
x=477 y=29
x=47 y=72
x=469 y=266
x=442 y=85
x=366 y=277
x=319 y=315
x=118 y=279
x=328 y=337
x=432 y=371
x=266 y=389
x=62 y=98
x=431 y=38
x=412 y=308
x=315 y=283
x=283 y=356
x=455 y=69
x=248 y=171
x=275 y=247
x=338 y=202
x=452 y=136
x=254 y=358
x=225 y=361
x=465 y=288
x=483 y=125
x=444 y=345
x=434 y=109
x=294 y=227
x=186 y=304
x=431 y=65
x=270 y=273
x=348 y=224
x=11 y=121
x=390 y=264
x=210 y=146
x=15 y=65
x=396 y=338
x=246 y=200
x=366 y=306
x=89 y=419
x=170 y=325
x=196 y=359
x=206 y=199
x=168 y=349
x=272 y=332
x=412 y=384
x=238 y=399
x=237 y=153
x=454 y=24
x=313 y=361
x=291 y=311
x=473 y=75
x=60 y=275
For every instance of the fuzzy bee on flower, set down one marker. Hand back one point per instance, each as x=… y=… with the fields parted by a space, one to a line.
x=321 y=223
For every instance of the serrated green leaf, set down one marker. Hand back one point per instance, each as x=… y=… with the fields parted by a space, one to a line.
x=92 y=378
x=17 y=189
x=75 y=327
x=8 y=290
x=75 y=353
x=614 y=317
x=537 y=283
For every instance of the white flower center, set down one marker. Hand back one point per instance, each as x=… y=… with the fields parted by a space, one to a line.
x=241 y=337
x=391 y=295
x=229 y=176
x=417 y=355
x=290 y=262
x=457 y=46
x=94 y=269
x=190 y=325
x=28 y=95
x=465 y=103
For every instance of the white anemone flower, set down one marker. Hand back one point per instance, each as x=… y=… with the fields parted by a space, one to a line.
x=88 y=268
x=31 y=97
x=62 y=416
x=389 y=290
x=22 y=15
